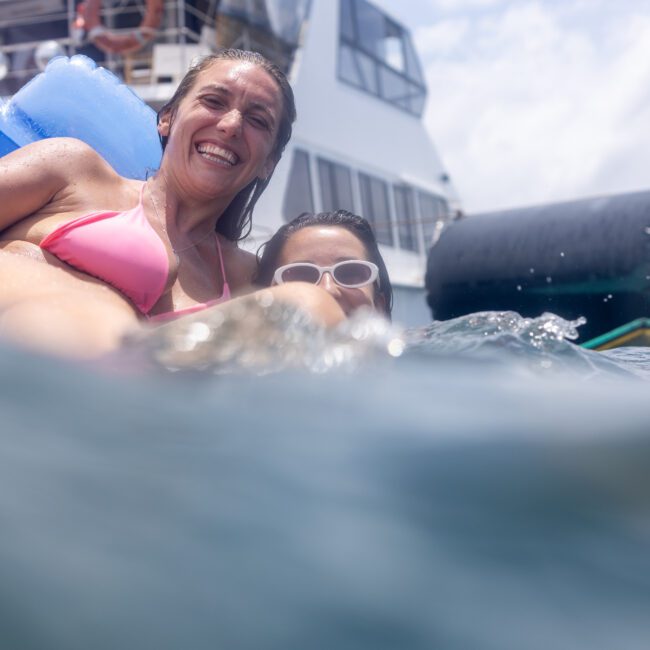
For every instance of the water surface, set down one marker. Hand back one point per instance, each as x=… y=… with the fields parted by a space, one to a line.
x=481 y=484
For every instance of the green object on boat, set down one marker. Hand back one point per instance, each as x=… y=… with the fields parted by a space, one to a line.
x=636 y=332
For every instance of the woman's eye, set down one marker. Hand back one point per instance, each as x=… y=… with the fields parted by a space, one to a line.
x=216 y=102
x=259 y=122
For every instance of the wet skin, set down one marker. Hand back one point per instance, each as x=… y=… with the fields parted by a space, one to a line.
x=220 y=139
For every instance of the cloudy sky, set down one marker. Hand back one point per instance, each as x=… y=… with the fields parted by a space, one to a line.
x=533 y=101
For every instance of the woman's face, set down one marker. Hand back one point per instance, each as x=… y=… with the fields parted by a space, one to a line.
x=223 y=133
x=325 y=246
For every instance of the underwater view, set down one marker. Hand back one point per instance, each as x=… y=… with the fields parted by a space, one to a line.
x=257 y=482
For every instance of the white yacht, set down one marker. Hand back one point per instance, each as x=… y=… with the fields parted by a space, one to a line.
x=359 y=142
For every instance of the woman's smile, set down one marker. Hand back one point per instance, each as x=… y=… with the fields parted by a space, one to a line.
x=217 y=154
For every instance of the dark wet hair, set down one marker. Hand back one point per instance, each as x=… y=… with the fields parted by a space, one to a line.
x=269 y=253
x=235 y=222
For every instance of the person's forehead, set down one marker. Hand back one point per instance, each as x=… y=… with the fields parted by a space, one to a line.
x=330 y=239
x=231 y=75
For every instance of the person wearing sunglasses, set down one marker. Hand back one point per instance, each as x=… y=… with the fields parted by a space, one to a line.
x=337 y=251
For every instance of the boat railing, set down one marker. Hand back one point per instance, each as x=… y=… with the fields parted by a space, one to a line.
x=28 y=42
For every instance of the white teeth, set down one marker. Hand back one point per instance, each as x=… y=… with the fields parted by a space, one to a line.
x=217 y=154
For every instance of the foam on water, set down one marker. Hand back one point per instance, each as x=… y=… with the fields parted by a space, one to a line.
x=259 y=338
x=484 y=484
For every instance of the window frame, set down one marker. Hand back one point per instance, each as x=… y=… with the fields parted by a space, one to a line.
x=410 y=103
x=412 y=222
x=316 y=162
x=370 y=179
x=332 y=167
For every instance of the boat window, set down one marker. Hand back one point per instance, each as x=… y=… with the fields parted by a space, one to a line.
x=376 y=55
x=335 y=185
x=271 y=27
x=406 y=219
x=395 y=88
x=432 y=210
x=358 y=69
x=374 y=204
x=298 y=197
x=348 y=28
x=380 y=36
x=414 y=71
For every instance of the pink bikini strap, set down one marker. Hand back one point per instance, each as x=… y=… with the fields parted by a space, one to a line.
x=223 y=270
x=226 y=288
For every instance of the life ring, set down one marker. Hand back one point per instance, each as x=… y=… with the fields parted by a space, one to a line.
x=89 y=19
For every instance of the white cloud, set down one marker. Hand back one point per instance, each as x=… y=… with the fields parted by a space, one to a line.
x=441 y=39
x=539 y=101
x=463 y=5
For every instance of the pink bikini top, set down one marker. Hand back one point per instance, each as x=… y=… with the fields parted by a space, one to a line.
x=124 y=250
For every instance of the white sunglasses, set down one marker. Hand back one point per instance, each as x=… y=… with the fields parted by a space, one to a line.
x=350 y=274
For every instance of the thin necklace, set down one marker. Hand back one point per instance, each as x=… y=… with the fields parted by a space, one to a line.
x=162 y=223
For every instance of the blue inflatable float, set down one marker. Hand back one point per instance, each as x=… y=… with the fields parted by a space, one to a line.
x=75 y=98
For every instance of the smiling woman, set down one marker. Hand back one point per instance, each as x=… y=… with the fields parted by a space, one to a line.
x=93 y=253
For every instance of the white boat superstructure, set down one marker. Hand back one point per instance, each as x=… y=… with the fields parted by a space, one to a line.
x=359 y=142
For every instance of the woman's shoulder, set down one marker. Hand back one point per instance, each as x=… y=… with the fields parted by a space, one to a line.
x=67 y=156
x=240 y=264
x=52 y=176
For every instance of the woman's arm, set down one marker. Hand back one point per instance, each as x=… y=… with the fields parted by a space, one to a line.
x=32 y=176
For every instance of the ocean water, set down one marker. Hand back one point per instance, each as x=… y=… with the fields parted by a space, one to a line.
x=251 y=481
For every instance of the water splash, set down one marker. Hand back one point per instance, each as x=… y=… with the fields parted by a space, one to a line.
x=257 y=336
x=260 y=336
x=543 y=332
x=533 y=345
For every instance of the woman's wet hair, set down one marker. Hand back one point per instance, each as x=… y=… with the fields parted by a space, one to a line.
x=269 y=253
x=236 y=221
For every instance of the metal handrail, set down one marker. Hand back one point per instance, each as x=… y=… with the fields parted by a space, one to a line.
x=176 y=32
